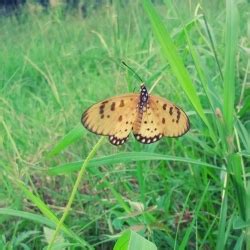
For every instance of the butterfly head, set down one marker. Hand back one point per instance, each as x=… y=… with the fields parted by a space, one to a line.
x=143 y=95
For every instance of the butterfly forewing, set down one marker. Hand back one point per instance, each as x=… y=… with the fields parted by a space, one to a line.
x=113 y=117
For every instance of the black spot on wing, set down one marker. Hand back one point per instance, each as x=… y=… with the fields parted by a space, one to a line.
x=178 y=114
x=112 y=108
x=121 y=103
x=171 y=110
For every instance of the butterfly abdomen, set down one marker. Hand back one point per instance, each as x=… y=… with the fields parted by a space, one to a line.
x=141 y=107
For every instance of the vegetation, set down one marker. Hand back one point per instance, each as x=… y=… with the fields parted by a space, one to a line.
x=187 y=193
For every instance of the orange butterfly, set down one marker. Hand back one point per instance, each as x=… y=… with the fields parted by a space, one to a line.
x=149 y=117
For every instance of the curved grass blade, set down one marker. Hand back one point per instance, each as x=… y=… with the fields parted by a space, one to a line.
x=28 y=216
x=177 y=65
x=124 y=158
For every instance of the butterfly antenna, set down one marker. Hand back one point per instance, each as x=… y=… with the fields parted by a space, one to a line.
x=137 y=76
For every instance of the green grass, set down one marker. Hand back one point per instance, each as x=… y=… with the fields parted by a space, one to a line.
x=185 y=193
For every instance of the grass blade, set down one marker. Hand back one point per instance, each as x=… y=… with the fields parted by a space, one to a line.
x=230 y=63
x=185 y=240
x=49 y=214
x=73 y=135
x=220 y=244
x=27 y=215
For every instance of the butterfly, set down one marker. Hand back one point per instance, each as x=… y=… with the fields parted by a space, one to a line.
x=148 y=117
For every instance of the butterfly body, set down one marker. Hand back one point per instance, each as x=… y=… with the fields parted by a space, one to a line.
x=149 y=117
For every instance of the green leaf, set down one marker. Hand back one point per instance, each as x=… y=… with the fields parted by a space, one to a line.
x=48 y=233
x=131 y=240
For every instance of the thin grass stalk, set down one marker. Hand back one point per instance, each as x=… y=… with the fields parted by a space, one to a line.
x=213 y=47
x=74 y=190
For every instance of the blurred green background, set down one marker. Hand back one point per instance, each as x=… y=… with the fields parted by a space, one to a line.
x=60 y=57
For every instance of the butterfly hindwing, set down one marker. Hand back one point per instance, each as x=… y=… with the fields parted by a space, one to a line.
x=160 y=118
x=113 y=117
x=173 y=120
x=146 y=129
